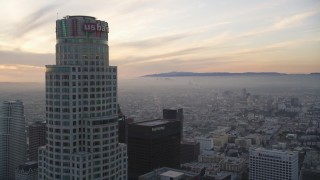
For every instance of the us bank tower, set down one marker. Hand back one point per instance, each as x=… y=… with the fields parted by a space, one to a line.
x=81 y=106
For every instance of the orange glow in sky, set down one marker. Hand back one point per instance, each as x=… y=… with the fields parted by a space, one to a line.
x=148 y=37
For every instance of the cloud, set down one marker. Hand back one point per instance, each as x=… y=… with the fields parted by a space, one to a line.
x=135 y=5
x=167 y=35
x=283 y=23
x=194 y=64
x=280 y=46
x=241 y=58
x=293 y=20
x=19 y=67
x=21 y=73
x=189 y=62
x=206 y=54
x=152 y=42
x=26 y=58
x=8 y=67
x=144 y=59
x=36 y=19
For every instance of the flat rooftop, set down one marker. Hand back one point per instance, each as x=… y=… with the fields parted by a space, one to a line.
x=28 y=165
x=276 y=151
x=155 y=122
x=172 y=174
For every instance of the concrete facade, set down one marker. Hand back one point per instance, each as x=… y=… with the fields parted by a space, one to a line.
x=273 y=164
x=81 y=106
x=12 y=138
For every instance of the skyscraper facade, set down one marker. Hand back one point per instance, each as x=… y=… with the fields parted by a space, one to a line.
x=189 y=151
x=12 y=138
x=273 y=164
x=81 y=106
x=174 y=114
x=153 y=144
x=37 y=138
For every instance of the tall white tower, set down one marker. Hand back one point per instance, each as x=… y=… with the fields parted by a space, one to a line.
x=81 y=106
x=12 y=138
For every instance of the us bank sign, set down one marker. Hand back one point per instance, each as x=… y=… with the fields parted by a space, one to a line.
x=92 y=27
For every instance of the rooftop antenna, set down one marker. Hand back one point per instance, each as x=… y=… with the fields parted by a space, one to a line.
x=57 y=15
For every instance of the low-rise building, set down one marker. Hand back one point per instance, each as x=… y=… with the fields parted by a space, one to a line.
x=243 y=142
x=27 y=171
x=220 y=139
x=214 y=158
x=205 y=143
x=197 y=167
x=166 y=173
x=233 y=164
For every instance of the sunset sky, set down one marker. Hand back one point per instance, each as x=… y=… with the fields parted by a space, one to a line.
x=153 y=36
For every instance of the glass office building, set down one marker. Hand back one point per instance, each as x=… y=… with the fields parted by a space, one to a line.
x=81 y=106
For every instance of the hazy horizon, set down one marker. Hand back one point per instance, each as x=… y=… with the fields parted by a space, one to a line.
x=142 y=89
x=144 y=76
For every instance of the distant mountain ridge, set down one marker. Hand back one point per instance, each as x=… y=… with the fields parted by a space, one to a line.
x=181 y=74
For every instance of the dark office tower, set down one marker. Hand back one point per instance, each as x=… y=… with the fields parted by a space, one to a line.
x=123 y=129
x=189 y=151
x=153 y=144
x=37 y=138
x=81 y=106
x=12 y=138
x=175 y=114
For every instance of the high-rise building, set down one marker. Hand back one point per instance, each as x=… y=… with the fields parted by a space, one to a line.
x=273 y=164
x=174 y=114
x=153 y=144
x=12 y=138
x=81 y=106
x=123 y=129
x=37 y=138
x=189 y=151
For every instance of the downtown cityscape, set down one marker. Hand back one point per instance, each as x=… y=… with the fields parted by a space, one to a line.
x=84 y=121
